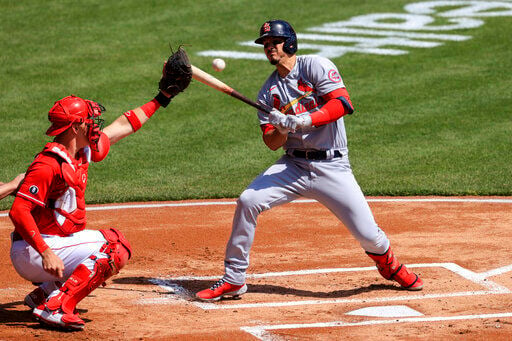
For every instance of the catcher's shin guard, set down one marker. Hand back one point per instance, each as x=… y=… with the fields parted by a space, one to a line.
x=83 y=281
x=59 y=310
x=80 y=284
x=390 y=268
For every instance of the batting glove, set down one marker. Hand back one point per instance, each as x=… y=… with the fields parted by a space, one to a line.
x=278 y=119
x=293 y=123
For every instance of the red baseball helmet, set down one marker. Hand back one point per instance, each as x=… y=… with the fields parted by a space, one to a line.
x=73 y=109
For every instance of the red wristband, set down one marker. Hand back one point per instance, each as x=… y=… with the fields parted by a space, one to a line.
x=265 y=128
x=150 y=107
x=133 y=119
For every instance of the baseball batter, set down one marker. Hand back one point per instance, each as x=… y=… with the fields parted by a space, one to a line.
x=50 y=245
x=308 y=100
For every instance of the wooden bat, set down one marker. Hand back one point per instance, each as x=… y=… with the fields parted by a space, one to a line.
x=213 y=82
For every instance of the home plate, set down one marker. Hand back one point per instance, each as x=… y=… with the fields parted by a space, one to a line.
x=386 y=311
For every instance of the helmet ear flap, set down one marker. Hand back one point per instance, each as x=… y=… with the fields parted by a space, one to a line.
x=290 y=46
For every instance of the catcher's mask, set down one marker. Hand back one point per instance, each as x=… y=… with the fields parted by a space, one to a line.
x=281 y=29
x=72 y=109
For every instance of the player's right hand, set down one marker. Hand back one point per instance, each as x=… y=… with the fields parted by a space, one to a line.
x=278 y=119
x=52 y=263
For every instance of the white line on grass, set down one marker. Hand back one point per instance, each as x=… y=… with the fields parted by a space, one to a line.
x=224 y=203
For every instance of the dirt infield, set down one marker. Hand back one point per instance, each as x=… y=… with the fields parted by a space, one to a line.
x=309 y=279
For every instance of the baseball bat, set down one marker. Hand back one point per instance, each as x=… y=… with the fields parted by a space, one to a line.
x=206 y=78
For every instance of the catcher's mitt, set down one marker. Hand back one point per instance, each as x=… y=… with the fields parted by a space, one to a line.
x=176 y=74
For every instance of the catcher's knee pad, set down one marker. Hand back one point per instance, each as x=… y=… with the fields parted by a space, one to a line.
x=80 y=284
x=117 y=248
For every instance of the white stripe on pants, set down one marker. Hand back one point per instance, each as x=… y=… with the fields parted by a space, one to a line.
x=73 y=250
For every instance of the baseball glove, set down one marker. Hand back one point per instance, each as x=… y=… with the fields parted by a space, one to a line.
x=176 y=74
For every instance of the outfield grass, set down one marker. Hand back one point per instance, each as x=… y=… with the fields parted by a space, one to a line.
x=434 y=121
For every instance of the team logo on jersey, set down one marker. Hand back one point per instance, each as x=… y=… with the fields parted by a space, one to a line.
x=276 y=102
x=266 y=27
x=334 y=76
x=33 y=189
x=303 y=86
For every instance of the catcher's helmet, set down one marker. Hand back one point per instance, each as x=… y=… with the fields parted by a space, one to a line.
x=279 y=28
x=72 y=109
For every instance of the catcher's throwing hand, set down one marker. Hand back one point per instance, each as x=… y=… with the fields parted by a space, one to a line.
x=52 y=263
x=176 y=74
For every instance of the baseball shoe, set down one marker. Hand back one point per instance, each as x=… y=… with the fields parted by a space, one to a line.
x=221 y=289
x=35 y=298
x=390 y=268
x=57 y=318
x=407 y=279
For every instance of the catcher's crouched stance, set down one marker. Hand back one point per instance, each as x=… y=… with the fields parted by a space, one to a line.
x=50 y=245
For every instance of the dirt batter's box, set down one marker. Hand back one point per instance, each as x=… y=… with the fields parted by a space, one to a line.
x=267 y=332
x=477 y=283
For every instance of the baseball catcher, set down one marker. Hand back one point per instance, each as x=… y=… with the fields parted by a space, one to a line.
x=50 y=243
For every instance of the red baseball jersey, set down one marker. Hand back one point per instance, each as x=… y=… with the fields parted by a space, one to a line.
x=55 y=182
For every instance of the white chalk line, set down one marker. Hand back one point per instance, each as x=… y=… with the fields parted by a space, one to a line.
x=409 y=297
x=178 y=292
x=224 y=203
x=262 y=332
x=481 y=279
x=496 y=272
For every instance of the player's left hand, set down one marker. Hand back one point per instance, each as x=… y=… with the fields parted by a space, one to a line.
x=176 y=74
x=277 y=119
x=293 y=123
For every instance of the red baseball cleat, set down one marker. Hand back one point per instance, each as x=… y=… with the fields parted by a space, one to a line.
x=390 y=268
x=57 y=318
x=221 y=289
x=408 y=279
x=35 y=298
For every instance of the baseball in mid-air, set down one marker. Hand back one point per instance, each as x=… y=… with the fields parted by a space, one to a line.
x=218 y=64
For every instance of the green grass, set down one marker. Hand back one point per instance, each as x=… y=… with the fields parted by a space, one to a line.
x=434 y=121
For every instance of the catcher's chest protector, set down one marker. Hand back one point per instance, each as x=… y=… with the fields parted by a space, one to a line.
x=69 y=207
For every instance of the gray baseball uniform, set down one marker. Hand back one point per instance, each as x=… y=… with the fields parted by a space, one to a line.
x=329 y=181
